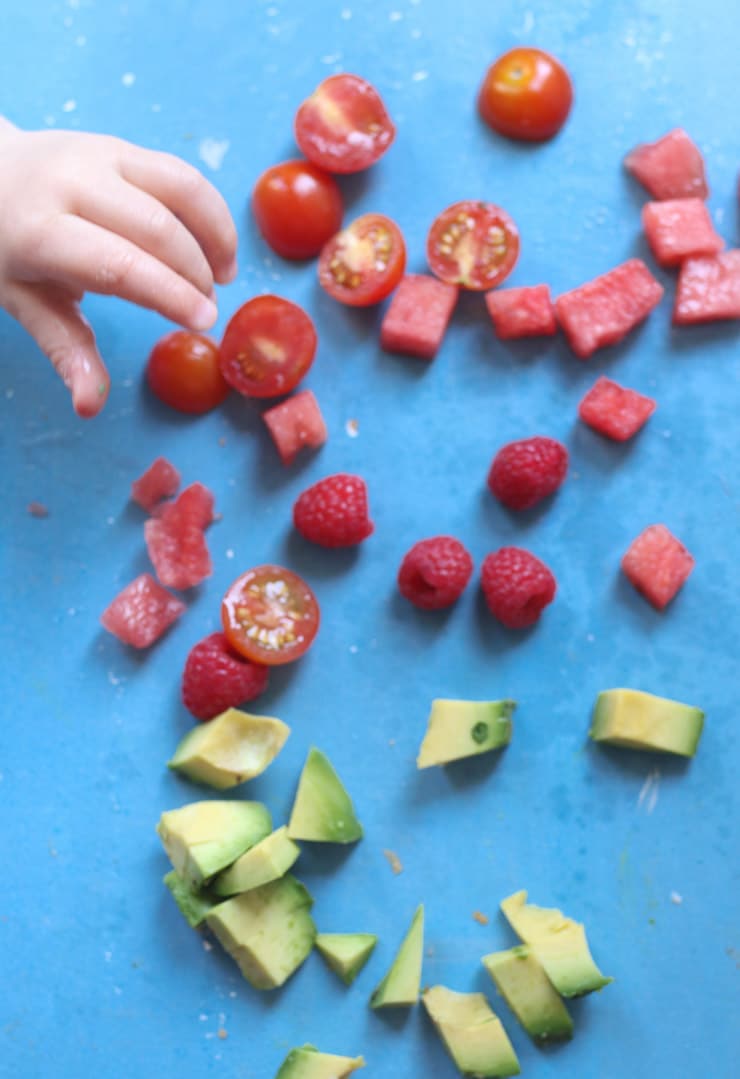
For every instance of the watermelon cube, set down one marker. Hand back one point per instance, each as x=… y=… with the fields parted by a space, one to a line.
x=614 y=411
x=141 y=613
x=670 y=168
x=657 y=564
x=194 y=504
x=176 y=540
x=677 y=229
x=708 y=289
x=521 y=312
x=160 y=480
x=604 y=310
x=296 y=423
x=418 y=316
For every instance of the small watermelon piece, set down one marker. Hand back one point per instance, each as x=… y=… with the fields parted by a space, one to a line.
x=194 y=504
x=678 y=229
x=708 y=289
x=657 y=564
x=417 y=318
x=161 y=480
x=615 y=411
x=176 y=540
x=604 y=310
x=141 y=613
x=522 y=312
x=670 y=168
x=296 y=423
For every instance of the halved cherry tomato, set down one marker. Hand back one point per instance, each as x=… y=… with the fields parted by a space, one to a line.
x=473 y=244
x=344 y=125
x=364 y=262
x=526 y=94
x=268 y=347
x=297 y=208
x=270 y=615
x=183 y=371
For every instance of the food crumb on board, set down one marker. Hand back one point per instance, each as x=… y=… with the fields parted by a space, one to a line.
x=222 y=440
x=676 y=899
x=391 y=741
x=430 y=951
x=213 y=152
x=207 y=946
x=480 y=918
x=69 y=106
x=352 y=427
x=38 y=509
x=394 y=861
x=128 y=79
x=222 y=1034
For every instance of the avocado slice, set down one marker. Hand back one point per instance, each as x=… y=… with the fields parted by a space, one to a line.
x=229 y=749
x=637 y=720
x=269 y=931
x=521 y=980
x=346 y=953
x=472 y=1034
x=267 y=860
x=400 y=987
x=204 y=837
x=194 y=905
x=458 y=729
x=308 y=1063
x=322 y=811
x=558 y=942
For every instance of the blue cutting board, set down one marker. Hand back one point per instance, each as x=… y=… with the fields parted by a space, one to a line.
x=100 y=974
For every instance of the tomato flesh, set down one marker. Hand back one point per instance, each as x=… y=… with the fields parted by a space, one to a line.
x=297 y=208
x=526 y=94
x=364 y=262
x=183 y=371
x=270 y=615
x=473 y=244
x=344 y=125
x=268 y=347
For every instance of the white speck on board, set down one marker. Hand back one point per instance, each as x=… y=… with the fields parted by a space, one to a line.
x=128 y=79
x=354 y=649
x=213 y=152
x=271 y=12
x=648 y=795
x=74 y=4
x=9 y=394
x=81 y=40
x=69 y=106
x=395 y=16
x=419 y=76
x=229 y=553
x=352 y=427
x=110 y=520
x=114 y=679
x=331 y=58
x=156 y=108
x=676 y=899
x=345 y=13
x=416 y=33
x=50 y=120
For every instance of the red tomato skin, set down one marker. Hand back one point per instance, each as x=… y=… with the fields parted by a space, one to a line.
x=526 y=94
x=183 y=371
x=303 y=600
x=366 y=135
x=358 y=286
x=297 y=207
x=290 y=336
x=478 y=217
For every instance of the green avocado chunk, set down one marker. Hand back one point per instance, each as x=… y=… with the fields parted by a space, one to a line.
x=309 y=1063
x=269 y=931
x=322 y=811
x=400 y=986
x=558 y=942
x=229 y=749
x=203 y=838
x=637 y=720
x=458 y=729
x=472 y=1034
x=194 y=905
x=267 y=860
x=521 y=980
x=346 y=953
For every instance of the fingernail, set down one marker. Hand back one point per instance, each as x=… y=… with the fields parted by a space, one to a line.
x=204 y=315
x=231 y=271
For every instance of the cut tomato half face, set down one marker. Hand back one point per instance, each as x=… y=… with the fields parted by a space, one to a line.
x=268 y=347
x=364 y=262
x=270 y=615
x=473 y=244
x=344 y=125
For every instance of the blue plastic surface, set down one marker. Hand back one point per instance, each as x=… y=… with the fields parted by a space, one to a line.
x=100 y=975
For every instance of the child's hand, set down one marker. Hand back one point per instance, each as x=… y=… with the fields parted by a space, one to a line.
x=91 y=213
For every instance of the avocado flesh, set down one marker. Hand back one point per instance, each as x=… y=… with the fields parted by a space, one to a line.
x=229 y=749
x=202 y=838
x=400 y=986
x=637 y=720
x=309 y=1063
x=472 y=1034
x=194 y=905
x=269 y=931
x=558 y=942
x=458 y=729
x=322 y=811
x=521 y=980
x=267 y=860
x=346 y=953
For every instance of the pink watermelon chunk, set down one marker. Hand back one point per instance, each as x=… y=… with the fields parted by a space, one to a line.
x=678 y=229
x=708 y=289
x=615 y=411
x=160 y=480
x=296 y=423
x=176 y=540
x=417 y=318
x=141 y=613
x=521 y=312
x=604 y=310
x=670 y=168
x=657 y=564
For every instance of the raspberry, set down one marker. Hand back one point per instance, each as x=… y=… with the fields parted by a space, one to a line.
x=435 y=572
x=216 y=678
x=525 y=472
x=333 y=513
x=517 y=586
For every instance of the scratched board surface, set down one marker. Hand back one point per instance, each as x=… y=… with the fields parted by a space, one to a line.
x=100 y=974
